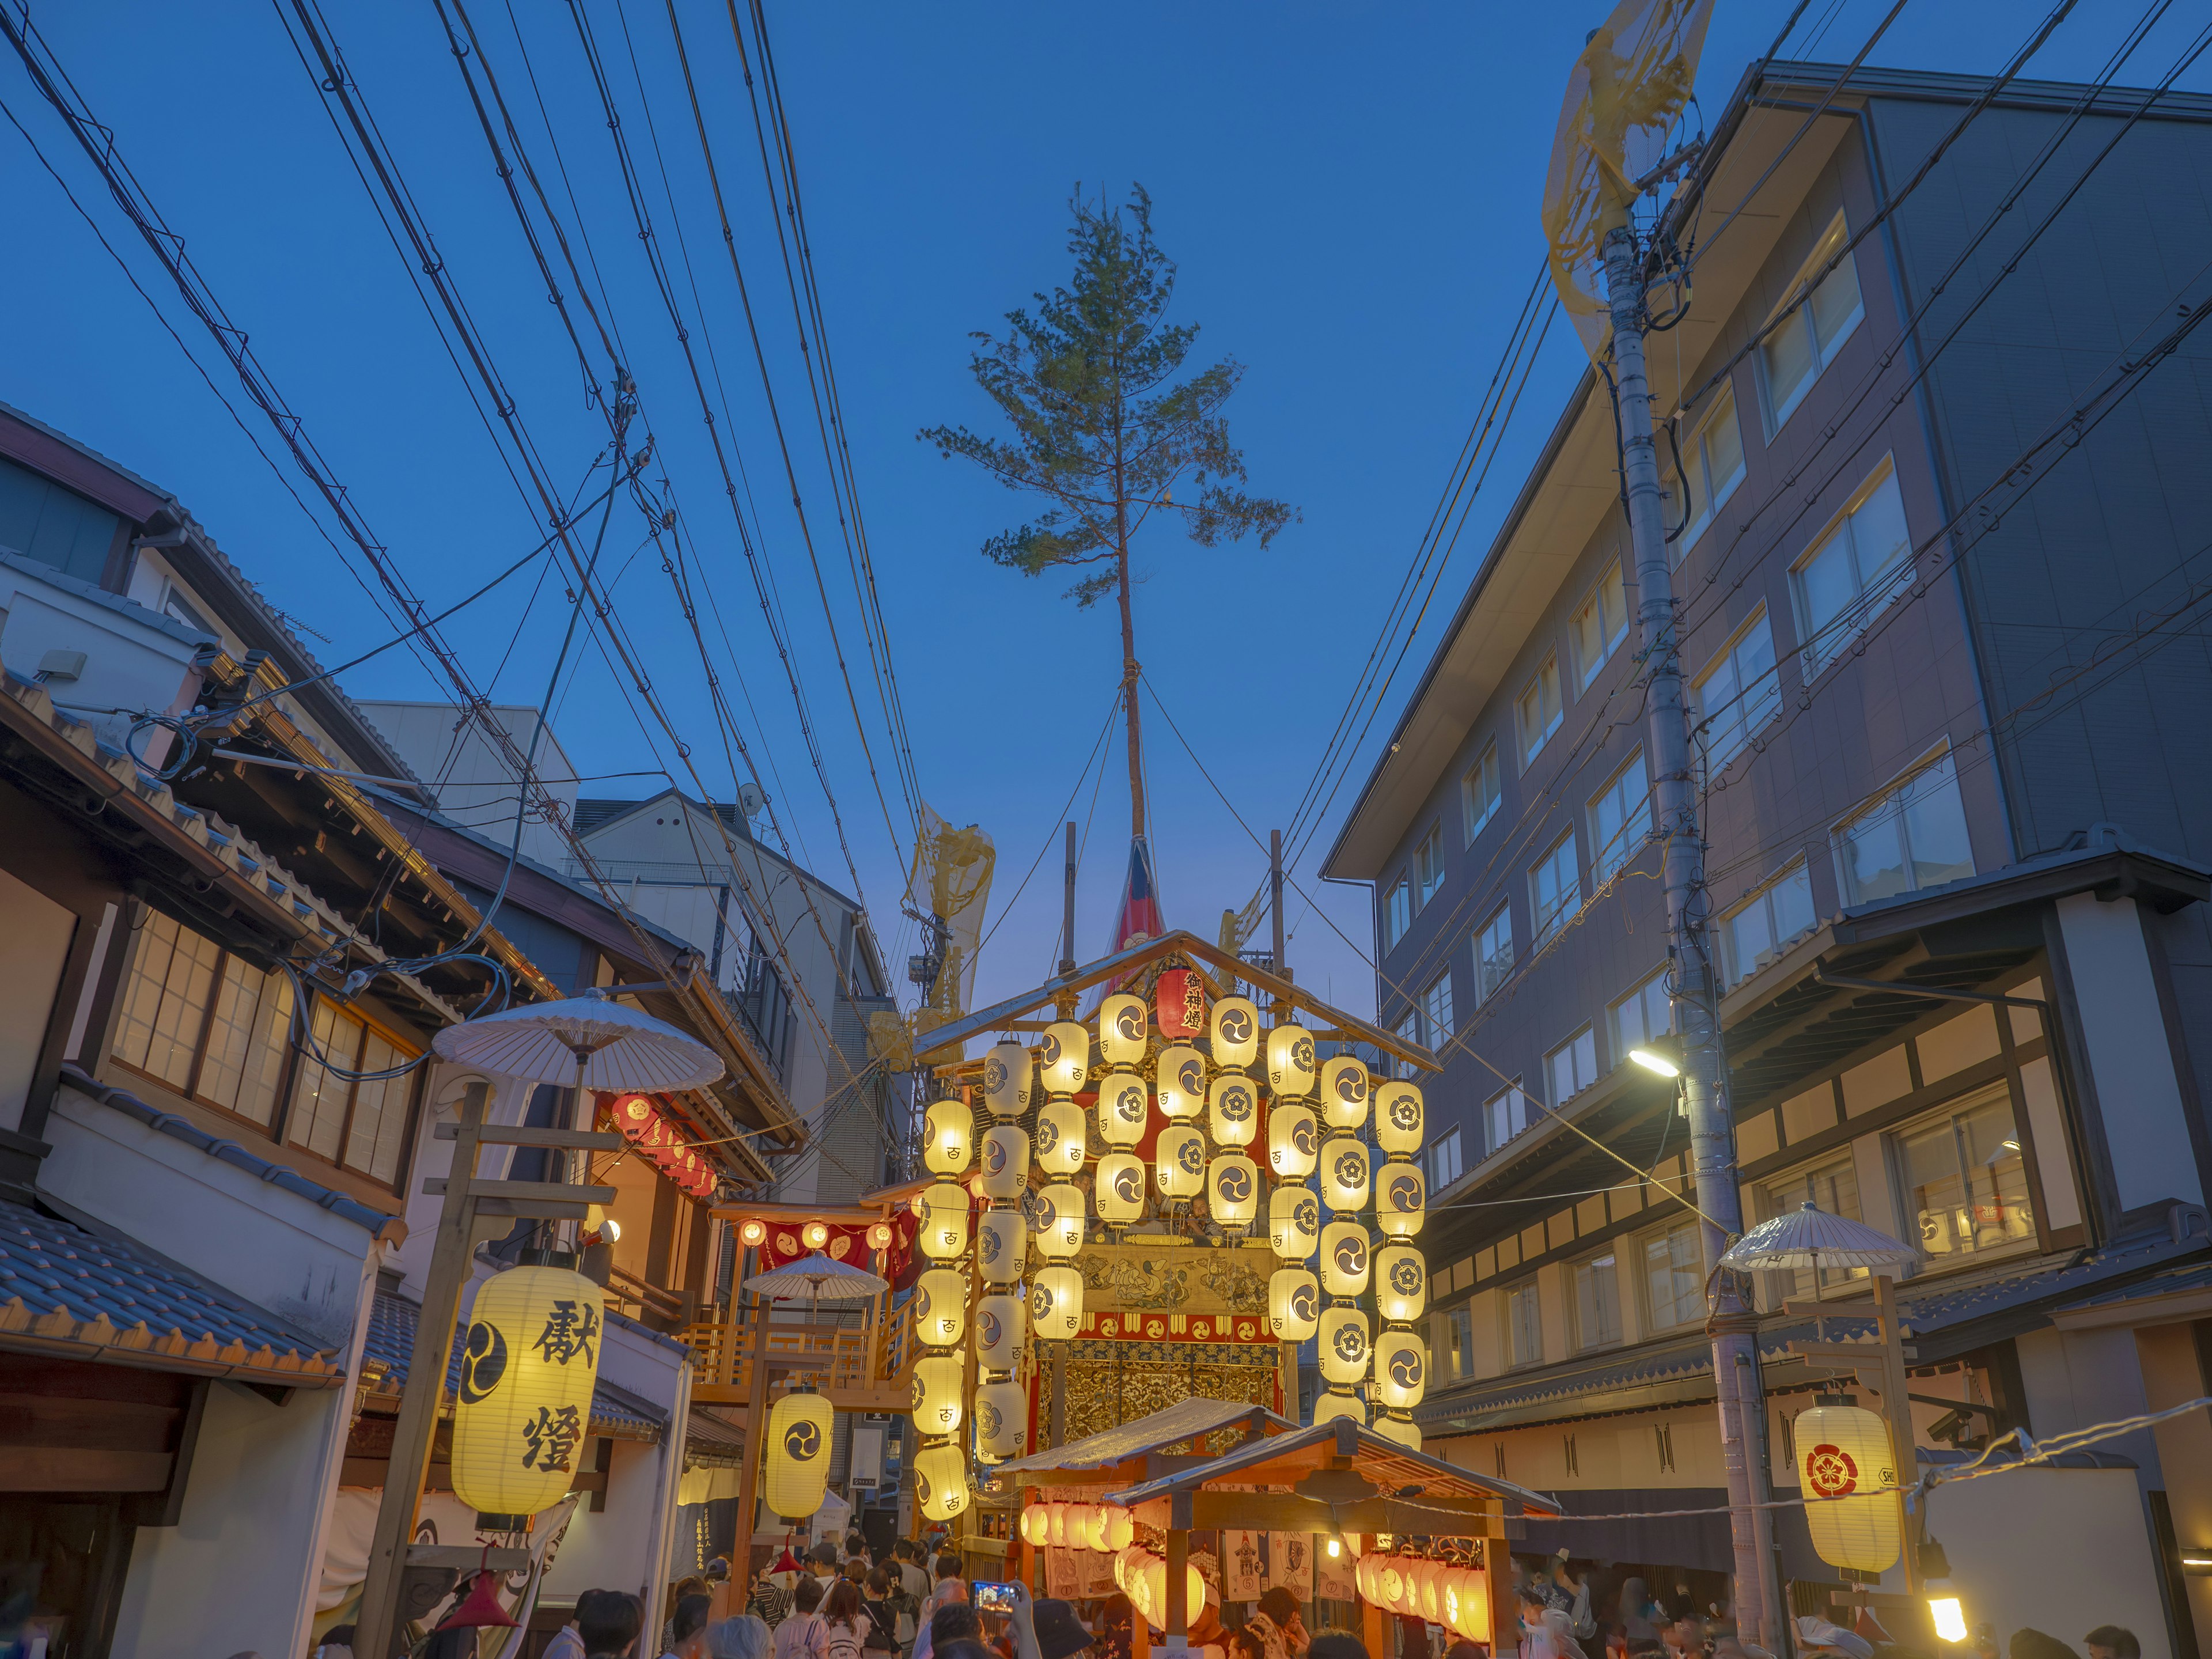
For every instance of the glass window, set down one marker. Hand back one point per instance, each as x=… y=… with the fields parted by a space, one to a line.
x=1572 y=1066
x=1913 y=836
x=1733 y=699
x=1555 y=891
x=1436 y=1007
x=1524 y=1325
x=1643 y=1014
x=1601 y=624
x=1853 y=570
x=1674 y=1276
x=1505 y=1114
x=1397 y=911
x=1620 y=819
x=1805 y=341
x=207 y=1023
x=1768 y=923
x=1713 y=455
x=1428 y=867
x=1834 y=1187
x=1965 y=1181
x=1597 y=1302
x=360 y=1121
x=1540 y=709
x=1444 y=1166
x=1479 y=792
x=1459 y=1324
x=1409 y=1028
x=1493 y=953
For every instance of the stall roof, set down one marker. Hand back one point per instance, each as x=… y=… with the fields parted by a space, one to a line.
x=1182 y=1421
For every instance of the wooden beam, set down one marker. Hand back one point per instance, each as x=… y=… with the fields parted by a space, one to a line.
x=536 y=1192
x=83 y=1469
x=1287 y=1512
x=502 y=1134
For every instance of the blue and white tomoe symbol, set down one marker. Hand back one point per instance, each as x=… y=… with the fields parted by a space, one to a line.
x=798 y=1472
x=1119 y=1183
x=1400 y=1370
x=1001 y=1408
x=1006 y=1172
x=1181 y=1076
x=1062 y=1138
x=1293 y=1223
x=1123 y=1024
x=1293 y=1140
x=1344 y=1092
x=1179 y=1161
x=1002 y=1245
x=1007 y=1079
x=1058 y=1217
x=1235 y=1031
x=1000 y=1330
x=1293 y=1304
x=1345 y=1261
x=1402 y=1202
x=1234 y=1184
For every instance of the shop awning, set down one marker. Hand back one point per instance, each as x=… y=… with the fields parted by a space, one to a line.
x=1178 y=1422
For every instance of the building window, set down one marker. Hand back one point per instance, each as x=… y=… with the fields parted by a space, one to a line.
x=1444 y=1166
x=1662 y=1446
x=1758 y=931
x=1620 y=819
x=1524 y=1325
x=1572 y=1066
x=358 y=1122
x=1409 y=1028
x=1643 y=1014
x=1913 y=836
x=1965 y=1181
x=1540 y=709
x=207 y=1024
x=1737 y=694
x=1493 y=953
x=1478 y=793
x=1713 y=455
x=1397 y=911
x=1505 y=1114
x=1834 y=1187
x=1459 y=1325
x=1674 y=1276
x=1428 y=867
x=1555 y=891
x=1600 y=625
x=1806 y=339
x=1436 y=1007
x=1597 y=1302
x=1863 y=562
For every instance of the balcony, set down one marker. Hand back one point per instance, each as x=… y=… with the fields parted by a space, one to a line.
x=867 y=1367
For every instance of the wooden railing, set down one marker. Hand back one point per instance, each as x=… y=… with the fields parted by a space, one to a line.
x=869 y=1364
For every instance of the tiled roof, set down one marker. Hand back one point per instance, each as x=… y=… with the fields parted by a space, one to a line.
x=67 y=1289
x=391 y=1343
x=708 y=1439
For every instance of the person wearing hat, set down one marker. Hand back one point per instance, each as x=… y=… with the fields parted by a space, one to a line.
x=1059 y=1633
x=1816 y=1635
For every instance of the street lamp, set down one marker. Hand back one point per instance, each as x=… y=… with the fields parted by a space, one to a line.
x=1662 y=1055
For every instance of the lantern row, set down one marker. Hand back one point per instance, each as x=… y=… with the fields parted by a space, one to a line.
x=1102 y=1527
x=1142 y=1577
x=1442 y=1592
x=648 y=1130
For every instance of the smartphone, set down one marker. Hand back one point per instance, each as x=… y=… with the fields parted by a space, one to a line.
x=994 y=1598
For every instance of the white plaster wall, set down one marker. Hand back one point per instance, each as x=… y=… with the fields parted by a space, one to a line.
x=35 y=941
x=612 y=1550
x=2074 y=1379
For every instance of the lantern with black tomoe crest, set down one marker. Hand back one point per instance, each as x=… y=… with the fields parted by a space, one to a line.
x=798 y=1432
x=528 y=1364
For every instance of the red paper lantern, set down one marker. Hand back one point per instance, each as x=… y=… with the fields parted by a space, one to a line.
x=633 y=1116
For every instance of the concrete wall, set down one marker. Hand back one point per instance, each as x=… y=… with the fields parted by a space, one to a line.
x=474 y=783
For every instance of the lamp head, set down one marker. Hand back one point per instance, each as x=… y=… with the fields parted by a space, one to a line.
x=1662 y=1055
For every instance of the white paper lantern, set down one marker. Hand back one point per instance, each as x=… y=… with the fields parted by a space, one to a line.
x=1344 y=1092
x=1335 y=1403
x=1179 y=1079
x=943 y=1234
x=1345 y=1259
x=1121 y=1526
x=1235 y=1030
x=1232 y=1111
x=1293 y=1223
x=948 y=1137
x=1345 y=1347
x=1398 y=1117
x=1401 y=1283
x=1401 y=1371
x=1293 y=1140
x=940 y=1482
x=1063 y=1133
x=1122 y=1029
x=1001 y=1418
x=1844 y=1464
x=1293 y=1304
x=1232 y=1186
x=940 y=1307
x=1065 y=1057
x=938 y=1379
x=1061 y=1212
x=1343 y=1174
x=1002 y=1245
x=528 y=1364
x=1007 y=1075
x=1179 y=1161
x=1401 y=1200
x=1001 y=1326
x=1006 y=1161
x=1056 y=1303
x=1119 y=1184
x=1124 y=1103
x=1290 y=1072
x=800 y=1430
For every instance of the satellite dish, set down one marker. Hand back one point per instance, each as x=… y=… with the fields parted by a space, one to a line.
x=751 y=799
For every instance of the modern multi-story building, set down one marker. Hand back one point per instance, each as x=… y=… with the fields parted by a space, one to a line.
x=1943 y=543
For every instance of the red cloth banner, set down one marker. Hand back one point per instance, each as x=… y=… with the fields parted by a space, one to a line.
x=785 y=1244
x=645 y=1126
x=1135 y=1325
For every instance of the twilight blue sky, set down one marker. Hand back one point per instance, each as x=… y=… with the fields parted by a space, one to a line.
x=1350 y=192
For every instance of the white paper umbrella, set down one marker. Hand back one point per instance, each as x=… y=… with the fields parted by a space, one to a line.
x=819 y=1278
x=1811 y=1237
x=582 y=1042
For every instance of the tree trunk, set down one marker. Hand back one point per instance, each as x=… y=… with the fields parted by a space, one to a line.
x=1128 y=656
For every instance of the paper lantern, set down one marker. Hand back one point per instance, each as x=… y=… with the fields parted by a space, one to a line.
x=1006 y=1077
x=1398 y=1117
x=1036 y=1525
x=800 y=1428
x=1344 y=1092
x=1065 y=1057
x=1431 y=1580
x=1055 y=1524
x=943 y=1234
x=1401 y=1283
x=752 y=1232
x=1179 y=1079
x=1401 y=1370
x=1343 y=1174
x=1001 y=1418
x=1063 y=1135
x=1401 y=1200
x=1124 y=1103
x=1056 y=1303
x=1121 y=1526
x=1233 y=1109
x=938 y=1379
x=1060 y=1211
x=1096 y=1520
x=1473 y=1592
x=948 y=1137
x=940 y=1482
x=879 y=1236
x=1232 y=1186
x=1293 y=1223
x=1390 y=1581
x=528 y=1364
x=1845 y=1463
x=1179 y=1162
x=1344 y=1344
x=1002 y=1245
x=1120 y=1187
x=1123 y=1024
x=1293 y=1140
x=1365 y=1578
x=1290 y=1072
x=940 y=1307
x=1403 y=1429
x=999 y=1329
x=1344 y=1258
x=816 y=1234
x=1006 y=1161
x=1235 y=1032
x=1293 y=1304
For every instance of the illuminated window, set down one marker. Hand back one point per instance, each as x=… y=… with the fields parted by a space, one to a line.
x=206 y=1022
x=1597 y=1301
x=1965 y=1181
x=1524 y=1325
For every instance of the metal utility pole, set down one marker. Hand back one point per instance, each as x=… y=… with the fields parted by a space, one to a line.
x=1733 y=1323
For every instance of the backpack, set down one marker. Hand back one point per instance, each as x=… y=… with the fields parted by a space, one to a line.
x=882 y=1624
x=844 y=1641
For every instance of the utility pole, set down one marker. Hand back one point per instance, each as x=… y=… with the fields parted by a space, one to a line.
x=1067 y=909
x=1733 y=1321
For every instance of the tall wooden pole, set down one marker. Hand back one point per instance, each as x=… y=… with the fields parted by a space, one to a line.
x=1067 y=907
x=748 y=1469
